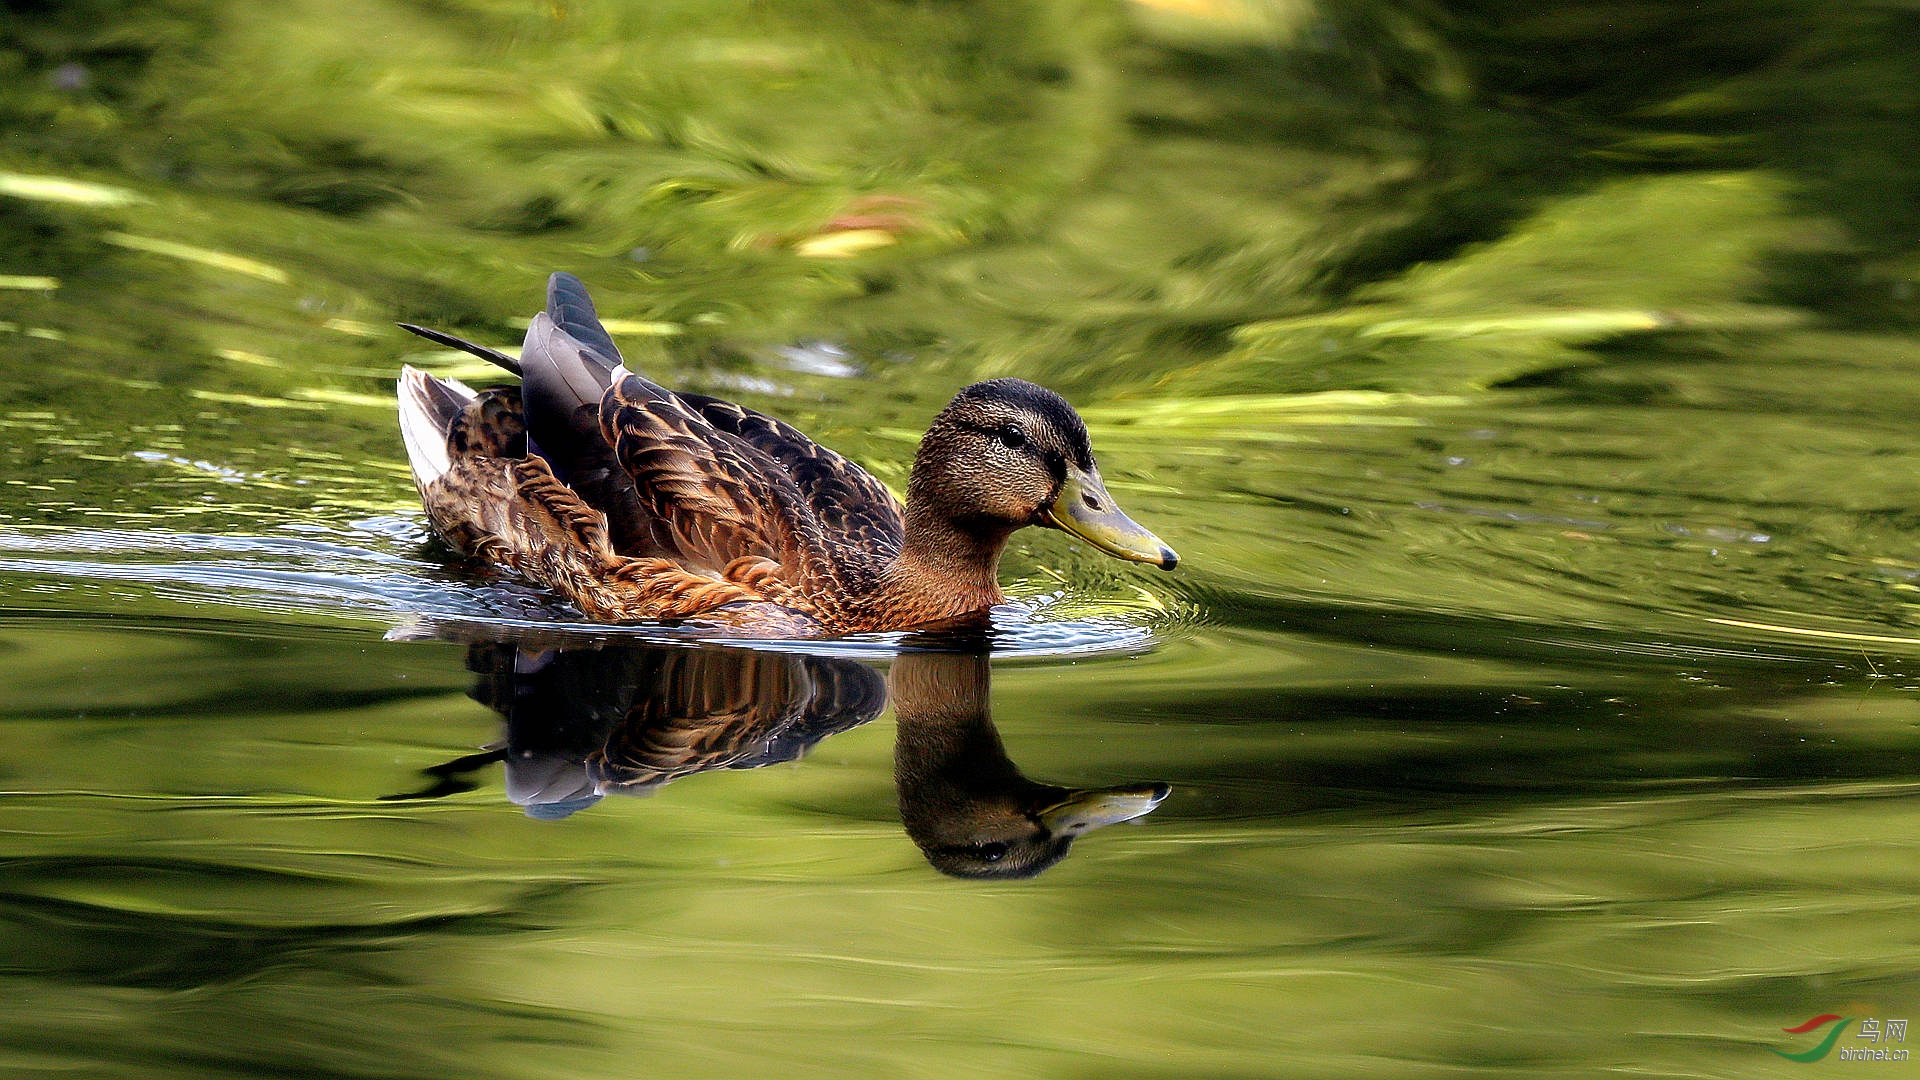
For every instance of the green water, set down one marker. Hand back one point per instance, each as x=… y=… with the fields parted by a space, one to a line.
x=1528 y=389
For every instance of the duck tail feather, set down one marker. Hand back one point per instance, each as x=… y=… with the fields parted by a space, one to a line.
x=428 y=406
x=440 y=337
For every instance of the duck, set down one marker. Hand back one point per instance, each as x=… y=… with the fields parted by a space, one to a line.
x=638 y=503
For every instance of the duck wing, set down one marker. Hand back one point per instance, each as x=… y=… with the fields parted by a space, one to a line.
x=713 y=497
x=566 y=365
x=697 y=482
x=672 y=483
x=855 y=509
x=563 y=380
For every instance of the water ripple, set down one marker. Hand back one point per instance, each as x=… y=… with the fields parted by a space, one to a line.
x=317 y=572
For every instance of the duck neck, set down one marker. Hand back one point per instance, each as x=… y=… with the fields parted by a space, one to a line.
x=944 y=569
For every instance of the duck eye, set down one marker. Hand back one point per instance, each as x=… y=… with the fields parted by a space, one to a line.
x=1012 y=437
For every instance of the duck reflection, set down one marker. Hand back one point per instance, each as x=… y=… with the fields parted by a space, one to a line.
x=585 y=723
x=625 y=719
x=962 y=799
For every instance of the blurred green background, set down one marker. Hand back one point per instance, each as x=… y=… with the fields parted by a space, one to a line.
x=1529 y=389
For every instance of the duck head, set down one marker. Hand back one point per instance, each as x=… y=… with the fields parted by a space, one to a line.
x=1005 y=454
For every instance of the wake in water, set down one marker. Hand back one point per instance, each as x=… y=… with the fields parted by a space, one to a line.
x=374 y=572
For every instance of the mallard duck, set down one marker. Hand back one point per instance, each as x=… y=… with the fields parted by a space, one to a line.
x=638 y=503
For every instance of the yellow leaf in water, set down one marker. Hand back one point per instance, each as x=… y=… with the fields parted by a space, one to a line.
x=640 y=326
x=844 y=245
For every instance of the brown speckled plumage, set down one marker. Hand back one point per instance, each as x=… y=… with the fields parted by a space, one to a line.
x=636 y=502
x=701 y=709
x=583 y=722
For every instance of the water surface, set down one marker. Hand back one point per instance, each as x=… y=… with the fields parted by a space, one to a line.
x=1529 y=395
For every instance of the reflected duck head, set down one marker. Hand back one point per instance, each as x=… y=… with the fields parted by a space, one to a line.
x=963 y=801
x=1013 y=837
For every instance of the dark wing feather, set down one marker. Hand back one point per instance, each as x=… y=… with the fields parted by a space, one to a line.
x=717 y=497
x=854 y=509
x=571 y=309
x=562 y=375
x=563 y=382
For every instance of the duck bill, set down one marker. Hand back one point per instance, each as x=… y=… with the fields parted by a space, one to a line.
x=1084 y=509
x=1081 y=811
